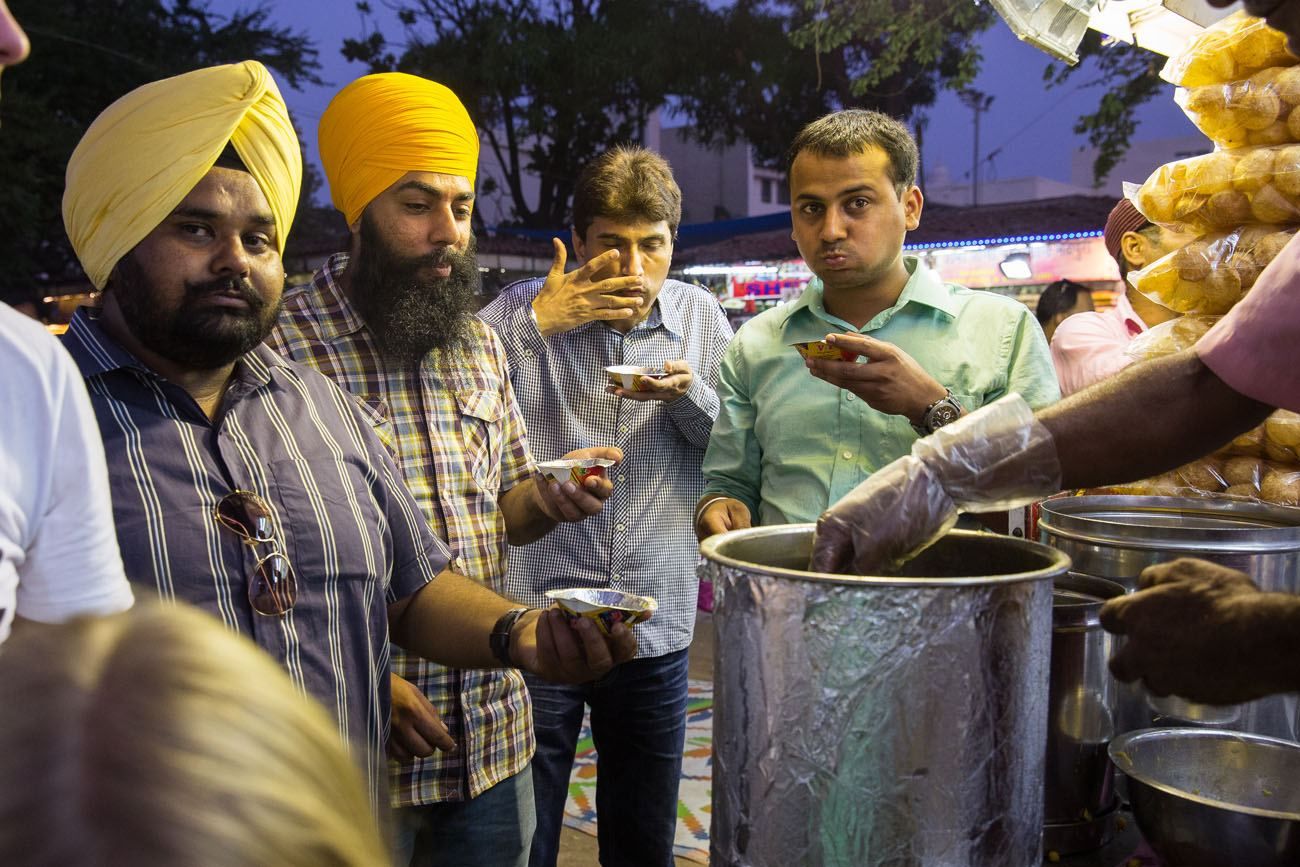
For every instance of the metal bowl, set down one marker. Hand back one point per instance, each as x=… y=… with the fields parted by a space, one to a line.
x=1210 y=798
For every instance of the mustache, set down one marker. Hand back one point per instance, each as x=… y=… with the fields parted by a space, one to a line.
x=237 y=286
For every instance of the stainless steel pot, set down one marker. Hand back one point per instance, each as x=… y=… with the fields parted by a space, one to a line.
x=879 y=720
x=1080 y=794
x=1116 y=537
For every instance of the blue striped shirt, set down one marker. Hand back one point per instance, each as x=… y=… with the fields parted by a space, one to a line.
x=643 y=541
x=350 y=529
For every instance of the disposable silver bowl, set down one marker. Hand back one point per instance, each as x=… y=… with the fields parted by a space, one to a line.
x=1211 y=798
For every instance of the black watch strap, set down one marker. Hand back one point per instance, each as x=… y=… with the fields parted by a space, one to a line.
x=499 y=640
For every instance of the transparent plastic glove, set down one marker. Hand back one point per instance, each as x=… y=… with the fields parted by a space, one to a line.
x=996 y=458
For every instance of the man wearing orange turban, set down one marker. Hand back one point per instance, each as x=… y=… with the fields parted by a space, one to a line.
x=241 y=482
x=392 y=320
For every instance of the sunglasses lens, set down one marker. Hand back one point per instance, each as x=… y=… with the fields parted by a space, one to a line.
x=274 y=587
x=246 y=514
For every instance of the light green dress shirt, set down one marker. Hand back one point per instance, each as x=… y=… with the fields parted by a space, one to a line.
x=788 y=445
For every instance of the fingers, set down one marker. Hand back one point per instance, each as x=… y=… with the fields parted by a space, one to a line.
x=622 y=643
x=1124 y=664
x=737 y=515
x=605 y=261
x=1115 y=613
x=595 y=651
x=609 y=453
x=560 y=257
x=831 y=547
x=869 y=347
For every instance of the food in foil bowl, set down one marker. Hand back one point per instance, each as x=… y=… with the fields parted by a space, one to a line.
x=574 y=470
x=822 y=349
x=604 y=607
x=633 y=378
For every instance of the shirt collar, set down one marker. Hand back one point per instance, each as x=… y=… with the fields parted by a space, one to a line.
x=1123 y=310
x=333 y=312
x=96 y=353
x=924 y=286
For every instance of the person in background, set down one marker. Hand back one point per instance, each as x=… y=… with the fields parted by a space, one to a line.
x=157 y=738
x=241 y=482
x=561 y=332
x=786 y=446
x=58 y=552
x=1060 y=300
x=1092 y=346
x=392 y=322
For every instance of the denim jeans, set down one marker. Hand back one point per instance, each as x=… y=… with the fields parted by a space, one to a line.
x=638 y=723
x=493 y=830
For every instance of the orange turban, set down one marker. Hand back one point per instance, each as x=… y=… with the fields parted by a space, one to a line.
x=145 y=152
x=382 y=126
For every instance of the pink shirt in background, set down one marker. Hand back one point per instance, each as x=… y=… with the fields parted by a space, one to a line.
x=1088 y=347
x=1255 y=349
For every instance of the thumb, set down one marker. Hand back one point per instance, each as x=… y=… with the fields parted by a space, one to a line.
x=560 y=258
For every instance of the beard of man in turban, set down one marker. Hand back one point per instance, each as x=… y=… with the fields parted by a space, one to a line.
x=408 y=310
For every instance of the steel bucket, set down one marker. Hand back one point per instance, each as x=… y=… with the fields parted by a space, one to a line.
x=1116 y=537
x=879 y=720
x=1080 y=799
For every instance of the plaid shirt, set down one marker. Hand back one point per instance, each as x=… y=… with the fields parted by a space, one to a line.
x=643 y=541
x=459 y=440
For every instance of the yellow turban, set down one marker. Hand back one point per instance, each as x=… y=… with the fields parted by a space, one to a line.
x=382 y=126
x=146 y=151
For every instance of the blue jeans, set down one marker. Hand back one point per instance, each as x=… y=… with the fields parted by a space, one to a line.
x=638 y=723
x=493 y=830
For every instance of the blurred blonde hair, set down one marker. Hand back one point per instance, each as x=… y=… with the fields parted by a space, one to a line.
x=157 y=737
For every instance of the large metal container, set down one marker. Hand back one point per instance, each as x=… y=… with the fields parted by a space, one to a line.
x=1080 y=800
x=1116 y=537
x=880 y=720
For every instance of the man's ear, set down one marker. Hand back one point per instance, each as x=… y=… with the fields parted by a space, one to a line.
x=913 y=202
x=1134 y=247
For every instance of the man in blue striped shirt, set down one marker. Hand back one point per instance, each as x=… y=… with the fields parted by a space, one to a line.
x=560 y=333
x=242 y=482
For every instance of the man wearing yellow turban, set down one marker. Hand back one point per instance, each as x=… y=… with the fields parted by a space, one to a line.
x=392 y=320
x=241 y=482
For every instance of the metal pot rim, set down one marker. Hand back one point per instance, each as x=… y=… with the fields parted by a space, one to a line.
x=1056 y=562
x=1074 y=518
x=1121 y=743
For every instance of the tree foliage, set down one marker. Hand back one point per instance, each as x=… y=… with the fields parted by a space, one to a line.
x=1128 y=77
x=795 y=60
x=551 y=84
x=86 y=54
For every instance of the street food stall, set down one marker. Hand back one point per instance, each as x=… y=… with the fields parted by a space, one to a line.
x=961 y=712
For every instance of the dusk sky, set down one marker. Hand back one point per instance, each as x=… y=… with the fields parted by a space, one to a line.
x=1028 y=124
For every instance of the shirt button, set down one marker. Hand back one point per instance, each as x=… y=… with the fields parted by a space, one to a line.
x=621 y=527
x=617 y=577
x=623 y=428
x=848 y=395
x=620 y=477
x=847 y=455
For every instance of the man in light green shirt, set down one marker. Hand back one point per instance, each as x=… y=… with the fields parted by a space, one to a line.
x=794 y=435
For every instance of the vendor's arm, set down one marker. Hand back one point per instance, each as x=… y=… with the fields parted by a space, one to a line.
x=1205 y=632
x=732 y=465
x=450 y=619
x=1151 y=417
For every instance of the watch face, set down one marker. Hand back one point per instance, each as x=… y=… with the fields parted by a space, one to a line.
x=944 y=412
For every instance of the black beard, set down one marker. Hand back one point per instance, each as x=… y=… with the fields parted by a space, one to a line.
x=203 y=338
x=410 y=314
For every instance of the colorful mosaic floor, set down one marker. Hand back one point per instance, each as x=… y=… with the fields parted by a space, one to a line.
x=693 y=796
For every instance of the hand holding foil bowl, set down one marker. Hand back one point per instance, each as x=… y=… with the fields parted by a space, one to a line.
x=603 y=606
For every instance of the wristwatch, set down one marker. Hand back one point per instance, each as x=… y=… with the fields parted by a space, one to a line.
x=499 y=640
x=943 y=411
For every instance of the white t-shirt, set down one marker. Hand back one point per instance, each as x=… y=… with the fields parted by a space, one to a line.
x=58 y=548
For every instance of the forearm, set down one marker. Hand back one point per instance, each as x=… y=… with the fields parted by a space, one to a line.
x=1276 y=656
x=525 y=520
x=448 y=621
x=1150 y=418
